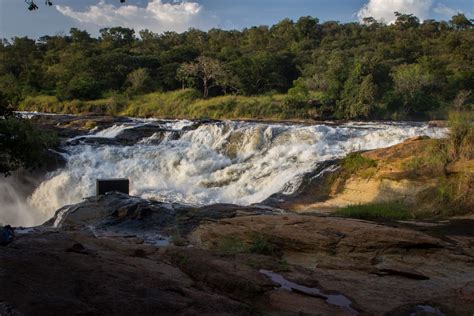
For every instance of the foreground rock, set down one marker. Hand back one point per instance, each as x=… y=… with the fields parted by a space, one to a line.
x=74 y=273
x=122 y=214
x=230 y=260
x=380 y=268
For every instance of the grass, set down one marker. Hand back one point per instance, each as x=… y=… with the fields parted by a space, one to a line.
x=186 y=103
x=232 y=245
x=377 y=211
x=355 y=162
x=259 y=244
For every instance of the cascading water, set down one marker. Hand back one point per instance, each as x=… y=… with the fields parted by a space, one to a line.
x=231 y=162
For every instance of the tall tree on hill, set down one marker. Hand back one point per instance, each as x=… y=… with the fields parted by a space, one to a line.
x=207 y=70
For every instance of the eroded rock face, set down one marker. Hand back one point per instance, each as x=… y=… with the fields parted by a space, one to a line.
x=403 y=173
x=99 y=260
x=132 y=215
x=380 y=267
x=74 y=273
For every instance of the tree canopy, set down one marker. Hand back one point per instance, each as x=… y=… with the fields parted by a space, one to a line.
x=352 y=70
x=21 y=144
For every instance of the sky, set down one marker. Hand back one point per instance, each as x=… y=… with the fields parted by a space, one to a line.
x=177 y=15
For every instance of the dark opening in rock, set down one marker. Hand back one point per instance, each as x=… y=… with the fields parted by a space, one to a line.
x=112 y=185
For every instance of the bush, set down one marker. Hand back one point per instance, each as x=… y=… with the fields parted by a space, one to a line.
x=461 y=135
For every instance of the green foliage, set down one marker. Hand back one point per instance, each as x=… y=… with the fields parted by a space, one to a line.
x=178 y=104
x=377 y=211
x=232 y=245
x=413 y=83
x=208 y=71
x=330 y=70
x=21 y=145
x=461 y=135
x=82 y=87
x=139 y=81
x=355 y=163
x=460 y=22
x=259 y=244
x=262 y=245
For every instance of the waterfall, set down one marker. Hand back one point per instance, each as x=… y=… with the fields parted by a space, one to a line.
x=217 y=162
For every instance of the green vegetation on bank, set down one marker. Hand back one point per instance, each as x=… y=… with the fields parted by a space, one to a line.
x=293 y=69
x=176 y=104
x=377 y=211
x=445 y=164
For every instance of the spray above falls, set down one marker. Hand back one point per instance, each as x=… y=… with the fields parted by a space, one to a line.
x=214 y=162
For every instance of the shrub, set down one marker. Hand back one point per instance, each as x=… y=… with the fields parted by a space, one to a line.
x=461 y=135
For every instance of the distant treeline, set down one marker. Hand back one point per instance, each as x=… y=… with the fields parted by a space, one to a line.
x=325 y=70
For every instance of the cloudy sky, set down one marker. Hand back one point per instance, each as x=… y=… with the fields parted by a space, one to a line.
x=177 y=15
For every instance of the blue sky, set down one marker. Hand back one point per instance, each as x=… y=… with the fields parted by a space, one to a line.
x=175 y=15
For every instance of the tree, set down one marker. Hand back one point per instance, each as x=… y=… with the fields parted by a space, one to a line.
x=406 y=21
x=369 y=21
x=307 y=27
x=460 y=22
x=186 y=74
x=21 y=145
x=139 y=81
x=206 y=69
x=359 y=94
x=410 y=79
x=412 y=83
x=83 y=87
x=117 y=36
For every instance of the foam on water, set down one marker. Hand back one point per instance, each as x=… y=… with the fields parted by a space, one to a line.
x=231 y=162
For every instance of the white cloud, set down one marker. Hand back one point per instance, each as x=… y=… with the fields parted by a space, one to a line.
x=156 y=16
x=383 y=10
x=446 y=11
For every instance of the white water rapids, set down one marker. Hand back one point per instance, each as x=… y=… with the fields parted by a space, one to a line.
x=232 y=162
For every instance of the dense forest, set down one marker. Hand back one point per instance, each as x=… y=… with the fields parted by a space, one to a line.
x=303 y=69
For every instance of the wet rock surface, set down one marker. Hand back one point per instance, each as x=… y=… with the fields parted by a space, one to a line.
x=74 y=129
x=125 y=214
x=232 y=260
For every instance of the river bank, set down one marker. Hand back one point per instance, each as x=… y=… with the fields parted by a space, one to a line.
x=189 y=104
x=120 y=255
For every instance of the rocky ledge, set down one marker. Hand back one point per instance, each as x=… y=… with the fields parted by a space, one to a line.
x=412 y=173
x=99 y=257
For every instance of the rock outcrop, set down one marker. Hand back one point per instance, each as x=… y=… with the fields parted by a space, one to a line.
x=120 y=213
x=231 y=260
x=408 y=173
x=379 y=267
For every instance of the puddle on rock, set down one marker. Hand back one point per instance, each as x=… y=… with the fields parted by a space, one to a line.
x=338 y=300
